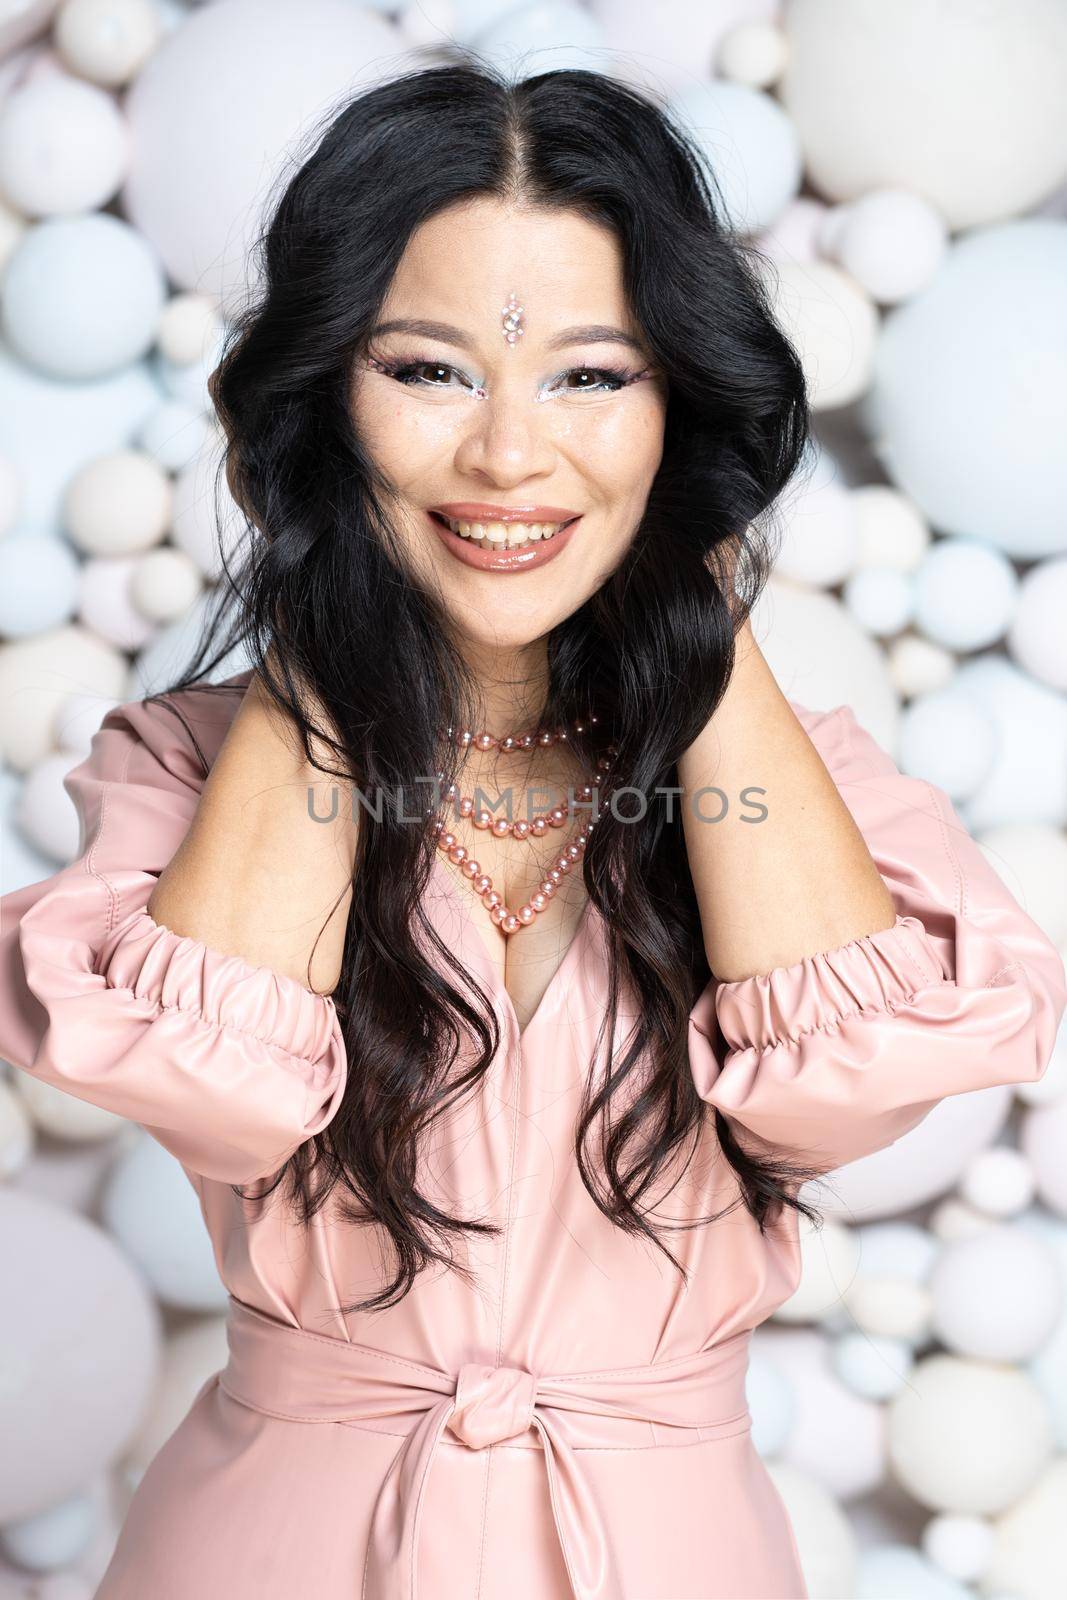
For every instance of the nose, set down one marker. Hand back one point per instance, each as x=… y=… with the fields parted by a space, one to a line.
x=492 y=1404
x=508 y=438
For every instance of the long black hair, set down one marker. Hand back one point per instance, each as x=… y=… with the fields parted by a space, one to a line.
x=321 y=585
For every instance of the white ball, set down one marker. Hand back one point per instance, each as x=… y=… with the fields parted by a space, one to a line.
x=164 y=584
x=892 y=529
x=770 y=1403
x=189 y=327
x=1037 y=638
x=1013 y=1323
x=836 y=1435
x=675 y=38
x=120 y=503
x=948 y=740
x=751 y=147
x=53 y=1538
x=892 y=94
x=793 y=236
x=175 y=434
x=892 y=242
x=829 y=1258
x=64 y=147
x=38 y=584
x=817 y=517
x=77 y=719
x=10 y=494
x=1041 y=1138
x=422 y=22
x=1031 y=858
x=150 y=1206
x=754 y=53
x=826 y=1543
x=63 y=1116
x=105 y=602
x=206 y=522
x=16 y=1133
x=37 y=675
x=999 y=1182
x=955 y=567
x=978 y=362
x=891 y=1571
x=832 y=322
x=969 y=1436
x=954 y=1219
x=889 y=1307
x=107 y=41
x=872 y=1366
x=46 y=812
x=190 y=1357
x=880 y=599
x=896 y=1250
x=1028 y=781
x=1030 y=1554
x=918 y=666
x=81 y=296
x=541 y=37
x=960 y=1547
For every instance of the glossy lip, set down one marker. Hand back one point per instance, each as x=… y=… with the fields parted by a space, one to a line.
x=499 y=559
x=482 y=511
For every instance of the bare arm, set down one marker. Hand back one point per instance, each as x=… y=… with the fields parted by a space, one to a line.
x=256 y=875
x=801 y=880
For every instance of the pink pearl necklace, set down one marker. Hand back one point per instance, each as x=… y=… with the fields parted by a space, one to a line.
x=510 y=922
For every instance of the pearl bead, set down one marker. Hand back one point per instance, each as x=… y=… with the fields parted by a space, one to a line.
x=498 y=913
x=466 y=806
x=457 y=853
x=484 y=819
x=520 y=829
x=483 y=882
x=510 y=923
x=525 y=915
x=471 y=868
x=501 y=826
x=539 y=901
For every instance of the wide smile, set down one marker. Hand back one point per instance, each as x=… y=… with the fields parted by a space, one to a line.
x=503 y=546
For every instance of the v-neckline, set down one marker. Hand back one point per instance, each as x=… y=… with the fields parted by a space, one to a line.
x=570 y=955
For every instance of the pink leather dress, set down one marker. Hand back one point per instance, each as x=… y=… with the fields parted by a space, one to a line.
x=574 y=1424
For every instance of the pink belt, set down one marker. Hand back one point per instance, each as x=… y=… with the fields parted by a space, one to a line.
x=305 y=1377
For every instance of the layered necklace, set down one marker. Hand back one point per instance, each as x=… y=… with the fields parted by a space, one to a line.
x=557 y=816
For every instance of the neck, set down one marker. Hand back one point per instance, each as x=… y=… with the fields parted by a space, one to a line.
x=511 y=687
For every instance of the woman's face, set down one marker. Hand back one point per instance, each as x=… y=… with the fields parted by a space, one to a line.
x=564 y=423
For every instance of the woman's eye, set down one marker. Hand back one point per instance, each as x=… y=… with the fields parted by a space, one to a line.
x=605 y=378
x=415 y=372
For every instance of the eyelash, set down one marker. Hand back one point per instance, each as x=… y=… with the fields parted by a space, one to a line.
x=404 y=372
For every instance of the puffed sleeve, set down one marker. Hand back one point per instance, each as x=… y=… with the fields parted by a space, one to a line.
x=839 y=1054
x=230 y=1066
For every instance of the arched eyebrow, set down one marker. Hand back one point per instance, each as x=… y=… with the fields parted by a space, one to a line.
x=590 y=333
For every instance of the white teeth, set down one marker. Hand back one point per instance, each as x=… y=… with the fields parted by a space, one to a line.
x=509 y=533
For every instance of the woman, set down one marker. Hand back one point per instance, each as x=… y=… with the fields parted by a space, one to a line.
x=498 y=1111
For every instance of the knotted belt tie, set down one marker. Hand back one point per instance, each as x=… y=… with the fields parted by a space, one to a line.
x=305 y=1377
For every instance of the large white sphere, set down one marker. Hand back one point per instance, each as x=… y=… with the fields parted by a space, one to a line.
x=55 y=1537
x=968 y=405
x=53 y=428
x=892 y=529
x=63 y=1116
x=1049 y=1367
x=891 y=1571
x=64 y=147
x=10 y=494
x=918 y=666
x=77 y=720
x=81 y=296
x=836 y=1436
x=948 y=740
x=541 y=36
x=816 y=515
x=751 y=147
x=172 y=648
x=75 y=1386
x=967 y=1435
x=1042 y=1140
x=164 y=584
x=674 y=40
x=37 y=675
x=21 y=22
x=829 y=1258
x=955 y=567
x=1013 y=1322
x=1031 y=857
x=119 y=504
x=793 y=236
x=174 y=434
x=16 y=1133
x=46 y=812
x=105 y=602
x=1038 y=639
x=770 y=1402
x=998 y=1182
x=1028 y=780
x=190 y=1357
x=108 y=41
x=152 y=1209
x=1030 y=1552
x=896 y=1250
x=891 y=241
x=960 y=1547
x=832 y=322
x=754 y=53
x=871 y=1365
x=825 y=1540
x=207 y=523
x=189 y=326
x=38 y=584
x=881 y=600
x=212 y=136
x=889 y=1307
x=900 y=95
